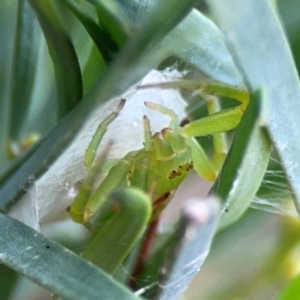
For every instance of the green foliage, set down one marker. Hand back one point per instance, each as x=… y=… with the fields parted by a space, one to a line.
x=69 y=57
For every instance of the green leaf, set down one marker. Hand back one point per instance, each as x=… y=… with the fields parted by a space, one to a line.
x=113 y=20
x=64 y=58
x=200 y=43
x=245 y=165
x=94 y=68
x=131 y=211
x=268 y=64
x=102 y=40
x=23 y=72
x=53 y=266
x=196 y=41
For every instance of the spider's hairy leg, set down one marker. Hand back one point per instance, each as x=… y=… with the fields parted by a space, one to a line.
x=168 y=112
x=116 y=178
x=217 y=121
x=86 y=187
x=94 y=144
x=147 y=134
x=219 y=139
x=221 y=121
x=86 y=205
x=201 y=163
x=214 y=124
x=209 y=87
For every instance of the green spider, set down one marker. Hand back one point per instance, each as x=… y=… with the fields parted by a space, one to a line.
x=164 y=162
x=139 y=185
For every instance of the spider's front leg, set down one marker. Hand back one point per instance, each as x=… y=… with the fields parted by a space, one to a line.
x=90 y=153
x=78 y=210
x=215 y=124
x=115 y=213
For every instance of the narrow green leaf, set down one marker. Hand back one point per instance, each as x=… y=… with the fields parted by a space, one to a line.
x=269 y=64
x=25 y=55
x=245 y=165
x=196 y=40
x=202 y=47
x=102 y=40
x=113 y=20
x=131 y=211
x=66 y=65
x=94 y=68
x=54 y=267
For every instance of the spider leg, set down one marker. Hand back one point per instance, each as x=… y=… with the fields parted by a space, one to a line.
x=94 y=144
